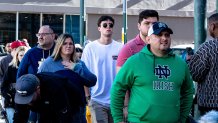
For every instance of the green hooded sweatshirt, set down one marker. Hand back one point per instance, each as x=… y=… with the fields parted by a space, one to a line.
x=161 y=89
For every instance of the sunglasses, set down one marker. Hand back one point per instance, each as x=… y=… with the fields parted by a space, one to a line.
x=105 y=25
x=78 y=50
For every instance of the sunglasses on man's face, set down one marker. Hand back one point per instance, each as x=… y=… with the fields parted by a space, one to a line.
x=105 y=25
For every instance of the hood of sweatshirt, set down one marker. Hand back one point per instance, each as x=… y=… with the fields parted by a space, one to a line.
x=146 y=50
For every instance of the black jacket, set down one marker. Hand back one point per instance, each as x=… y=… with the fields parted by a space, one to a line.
x=56 y=104
x=7 y=87
x=4 y=62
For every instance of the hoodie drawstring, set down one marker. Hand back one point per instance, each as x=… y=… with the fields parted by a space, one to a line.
x=43 y=54
x=154 y=63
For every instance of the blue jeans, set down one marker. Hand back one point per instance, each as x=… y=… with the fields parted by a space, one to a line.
x=33 y=117
x=10 y=114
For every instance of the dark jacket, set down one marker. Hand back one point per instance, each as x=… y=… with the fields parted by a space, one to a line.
x=4 y=62
x=204 y=70
x=78 y=82
x=60 y=100
x=7 y=87
x=31 y=60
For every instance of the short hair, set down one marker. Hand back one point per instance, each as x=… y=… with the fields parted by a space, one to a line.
x=213 y=18
x=57 y=50
x=104 y=18
x=146 y=14
x=51 y=30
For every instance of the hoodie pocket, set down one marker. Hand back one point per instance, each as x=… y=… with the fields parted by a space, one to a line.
x=161 y=113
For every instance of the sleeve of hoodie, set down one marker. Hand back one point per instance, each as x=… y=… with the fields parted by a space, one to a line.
x=198 y=64
x=186 y=99
x=123 y=80
x=84 y=72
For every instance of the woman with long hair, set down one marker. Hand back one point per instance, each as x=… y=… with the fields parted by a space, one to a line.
x=63 y=60
x=9 y=80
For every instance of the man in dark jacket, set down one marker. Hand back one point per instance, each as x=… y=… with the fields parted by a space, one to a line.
x=36 y=55
x=48 y=94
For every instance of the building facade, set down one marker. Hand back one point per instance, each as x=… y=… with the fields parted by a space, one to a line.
x=22 y=18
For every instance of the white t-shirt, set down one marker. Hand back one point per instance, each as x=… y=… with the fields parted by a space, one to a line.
x=100 y=59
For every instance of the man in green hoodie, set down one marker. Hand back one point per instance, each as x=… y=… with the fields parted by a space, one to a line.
x=160 y=83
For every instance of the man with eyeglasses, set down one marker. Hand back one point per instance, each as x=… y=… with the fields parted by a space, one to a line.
x=100 y=58
x=79 y=50
x=36 y=55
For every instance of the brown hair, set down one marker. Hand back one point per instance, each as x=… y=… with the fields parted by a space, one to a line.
x=60 y=41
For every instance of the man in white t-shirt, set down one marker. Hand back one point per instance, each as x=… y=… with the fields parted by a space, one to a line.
x=100 y=57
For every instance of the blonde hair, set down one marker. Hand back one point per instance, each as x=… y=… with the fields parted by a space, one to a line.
x=59 y=42
x=15 y=61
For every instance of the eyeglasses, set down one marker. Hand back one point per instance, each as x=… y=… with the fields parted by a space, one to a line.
x=78 y=50
x=42 y=34
x=105 y=25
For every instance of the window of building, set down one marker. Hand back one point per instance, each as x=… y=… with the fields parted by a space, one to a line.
x=29 y=25
x=55 y=21
x=7 y=27
x=72 y=27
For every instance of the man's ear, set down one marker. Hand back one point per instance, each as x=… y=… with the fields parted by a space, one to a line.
x=138 y=26
x=99 y=28
x=38 y=89
x=212 y=26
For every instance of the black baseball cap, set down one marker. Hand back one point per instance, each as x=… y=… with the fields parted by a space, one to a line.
x=25 y=87
x=158 y=27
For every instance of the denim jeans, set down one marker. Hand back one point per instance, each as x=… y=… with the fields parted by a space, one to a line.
x=10 y=114
x=33 y=117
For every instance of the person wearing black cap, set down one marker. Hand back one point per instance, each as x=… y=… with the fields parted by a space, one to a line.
x=161 y=89
x=48 y=94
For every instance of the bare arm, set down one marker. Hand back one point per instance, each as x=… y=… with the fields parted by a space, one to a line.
x=87 y=93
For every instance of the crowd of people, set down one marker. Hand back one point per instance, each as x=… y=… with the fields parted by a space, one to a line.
x=142 y=81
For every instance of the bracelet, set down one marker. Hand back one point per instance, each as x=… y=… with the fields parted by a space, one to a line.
x=88 y=98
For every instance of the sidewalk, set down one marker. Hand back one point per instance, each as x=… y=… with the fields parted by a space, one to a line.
x=2 y=121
